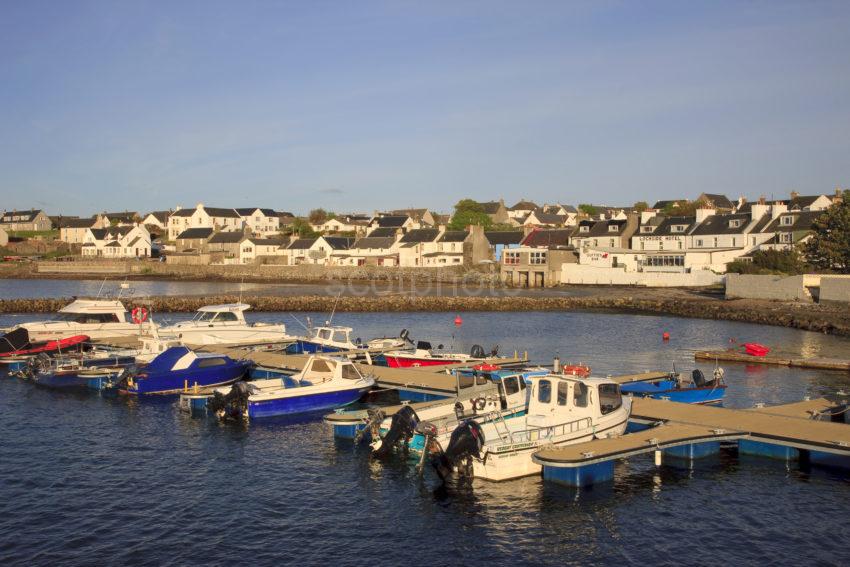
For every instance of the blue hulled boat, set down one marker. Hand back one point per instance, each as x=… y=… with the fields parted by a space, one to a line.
x=324 y=383
x=697 y=390
x=325 y=339
x=179 y=368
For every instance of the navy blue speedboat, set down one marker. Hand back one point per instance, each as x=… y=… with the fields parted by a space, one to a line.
x=675 y=388
x=179 y=369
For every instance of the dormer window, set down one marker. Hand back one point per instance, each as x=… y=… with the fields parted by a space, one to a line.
x=613 y=228
x=735 y=223
x=647 y=228
x=584 y=228
x=787 y=221
x=678 y=228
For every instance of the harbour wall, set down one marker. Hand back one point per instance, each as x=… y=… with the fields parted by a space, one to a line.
x=807 y=288
x=812 y=318
x=582 y=274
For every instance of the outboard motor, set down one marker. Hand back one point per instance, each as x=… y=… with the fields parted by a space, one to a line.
x=699 y=378
x=402 y=428
x=466 y=442
x=405 y=336
x=121 y=380
x=494 y=352
x=375 y=417
x=232 y=406
x=477 y=352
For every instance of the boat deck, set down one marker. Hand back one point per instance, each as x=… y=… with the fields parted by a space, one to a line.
x=389 y=411
x=686 y=424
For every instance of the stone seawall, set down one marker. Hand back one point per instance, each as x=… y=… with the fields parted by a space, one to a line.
x=812 y=318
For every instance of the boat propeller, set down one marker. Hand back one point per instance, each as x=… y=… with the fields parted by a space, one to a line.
x=122 y=379
x=466 y=442
x=233 y=405
x=402 y=428
x=375 y=416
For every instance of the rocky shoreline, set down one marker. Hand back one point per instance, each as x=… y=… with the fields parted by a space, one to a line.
x=657 y=302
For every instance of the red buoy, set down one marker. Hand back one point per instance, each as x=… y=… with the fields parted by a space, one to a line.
x=458 y=321
x=665 y=336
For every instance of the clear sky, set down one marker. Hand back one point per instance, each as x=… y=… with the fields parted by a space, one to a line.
x=356 y=106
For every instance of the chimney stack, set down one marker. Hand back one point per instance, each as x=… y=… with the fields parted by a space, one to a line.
x=794 y=194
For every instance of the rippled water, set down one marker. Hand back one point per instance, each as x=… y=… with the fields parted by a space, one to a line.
x=88 y=480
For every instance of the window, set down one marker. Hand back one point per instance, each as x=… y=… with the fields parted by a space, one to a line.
x=465 y=380
x=563 y=390
x=537 y=258
x=511 y=385
x=715 y=242
x=787 y=221
x=579 y=394
x=613 y=228
x=349 y=372
x=735 y=223
x=226 y=316
x=680 y=245
x=612 y=243
x=754 y=240
x=785 y=238
x=642 y=245
x=609 y=398
x=340 y=336
x=544 y=391
x=699 y=243
x=480 y=380
x=734 y=241
x=647 y=228
x=661 y=245
x=209 y=362
x=324 y=334
x=584 y=228
x=678 y=228
x=511 y=258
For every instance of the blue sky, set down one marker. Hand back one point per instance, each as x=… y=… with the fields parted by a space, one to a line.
x=356 y=106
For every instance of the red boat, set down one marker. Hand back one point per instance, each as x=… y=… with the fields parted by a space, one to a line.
x=425 y=356
x=17 y=343
x=581 y=370
x=755 y=349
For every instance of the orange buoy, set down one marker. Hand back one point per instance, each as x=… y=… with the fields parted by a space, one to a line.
x=665 y=336
x=458 y=321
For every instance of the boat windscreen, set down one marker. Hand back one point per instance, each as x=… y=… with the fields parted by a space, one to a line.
x=14 y=340
x=423 y=345
x=349 y=372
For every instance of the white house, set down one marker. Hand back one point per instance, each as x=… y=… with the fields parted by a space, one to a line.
x=261 y=222
x=117 y=242
x=158 y=219
x=369 y=250
x=254 y=247
x=74 y=230
x=418 y=245
x=33 y=220
x=521 y=210
x=569 y=213
x=203 y=217
x=540 y=218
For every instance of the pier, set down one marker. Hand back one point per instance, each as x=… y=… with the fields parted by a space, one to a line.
x=774 y=360
x=682 y=431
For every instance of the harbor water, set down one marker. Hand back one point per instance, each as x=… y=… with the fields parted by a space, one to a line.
x=91 y=480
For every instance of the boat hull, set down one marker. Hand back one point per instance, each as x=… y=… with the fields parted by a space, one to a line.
x=413 y=362
x=303 y=403
x=308 y=347
x=176 y=382
x=667 y=390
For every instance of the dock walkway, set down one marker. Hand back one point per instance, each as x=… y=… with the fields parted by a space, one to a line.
x=774 y=360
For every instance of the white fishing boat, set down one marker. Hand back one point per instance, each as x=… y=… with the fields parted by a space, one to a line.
x=226 y=324
x=96 y=318
x=562 y=410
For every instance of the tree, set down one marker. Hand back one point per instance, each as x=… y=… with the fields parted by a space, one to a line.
x=640 y=206
x=767 y=262
x=469 y=212
x=684 y=208
x=302 y=228
x=318 y=216
x=829 y=247
x=588 y=209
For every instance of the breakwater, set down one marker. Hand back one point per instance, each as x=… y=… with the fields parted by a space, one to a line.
x=810 y=318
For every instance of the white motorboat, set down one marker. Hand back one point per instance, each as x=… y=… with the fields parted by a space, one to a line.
x=96 y=318
x=225 y=324
x=562 y=410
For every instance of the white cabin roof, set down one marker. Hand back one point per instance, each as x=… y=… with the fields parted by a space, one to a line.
x=94 y=306
x=226 y=307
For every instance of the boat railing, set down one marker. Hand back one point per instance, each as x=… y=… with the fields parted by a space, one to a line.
x=550 y=431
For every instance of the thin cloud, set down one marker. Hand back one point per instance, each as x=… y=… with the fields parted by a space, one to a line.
x=332 y=191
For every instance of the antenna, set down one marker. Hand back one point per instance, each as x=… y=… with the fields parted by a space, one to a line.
x=101 y=288
x=333 y=311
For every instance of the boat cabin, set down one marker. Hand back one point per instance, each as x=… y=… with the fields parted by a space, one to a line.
x=510 y=388
x=222 y=314
x=336 y=336
x=557 y=398
x=321 y=369
x=88 y=311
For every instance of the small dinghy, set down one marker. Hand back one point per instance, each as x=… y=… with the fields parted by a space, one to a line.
x=17 y=343
x=756 y=349
x=324 y=383
x=677 y=388
x=179 y=369
x=66 y=373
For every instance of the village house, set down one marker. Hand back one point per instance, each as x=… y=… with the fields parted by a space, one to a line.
x=226 y=242
x=719 y=203
x=496 y=210
x=605 y=233
x=394 y=222
x=537 y=261
x=127 y=218
x=790 y=230
x=117 y=242
x=521 y=210
x=569 y=213
x=34 y=220
x=663 y=233
x=538 y=218
x=423 y=217
x=261 y=222
x=729 y=231
x=413 y=246
x=356 y=225
x=809 y=202
x=203 y=217
x=369 y=251
x=253 y=248
x=193 y=239
x=157 y=220
x=298 y=251
x=74 y=230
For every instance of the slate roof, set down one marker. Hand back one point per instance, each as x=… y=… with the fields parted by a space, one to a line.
x=803 y=220
x=267 y=241
x=719 y=224
x=665 y=204
x=391 y=221
x=23 y=216
x=551 y=238
x=222 y=213
x=78 y=223
x=504 y=236
x=161 y=216
x=718 y=200
x=420 y=235
x=227 y=237
x=374 y=242
x=491 y=207
x=195 y=233
x=802 y=201
x=301 y=243
x=383 y=232
x=454 y=236
x=416 y=214
x=248 y=211
x=126 y=216
x=600 y=228
x=183 y=213
x=99 y=233
x=524 y=206
x=547 y=218
x=339 y=242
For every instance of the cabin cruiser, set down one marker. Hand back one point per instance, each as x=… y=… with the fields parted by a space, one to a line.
x=562 y=410
x=225 y=324
x=325 y=339
x=96 y=318
x=324 y=383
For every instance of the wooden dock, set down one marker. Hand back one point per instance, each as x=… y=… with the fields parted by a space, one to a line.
x=693 y=431
x=775 y=360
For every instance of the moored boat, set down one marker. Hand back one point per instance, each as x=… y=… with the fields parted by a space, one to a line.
x=226 y=324
x=18 y=342
x=95 y=318
x=562 y=410
x=697 y=390
x=179 y=369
